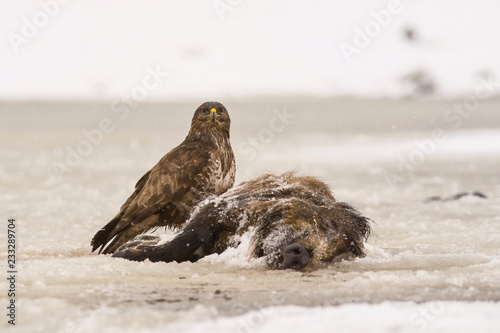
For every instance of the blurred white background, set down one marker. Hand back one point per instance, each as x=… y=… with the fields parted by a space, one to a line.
x=61 y=49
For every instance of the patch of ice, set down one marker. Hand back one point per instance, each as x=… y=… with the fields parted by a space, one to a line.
x=239 y=256
x=375 y=251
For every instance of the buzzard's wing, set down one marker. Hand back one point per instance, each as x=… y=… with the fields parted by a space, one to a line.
x=175 y=175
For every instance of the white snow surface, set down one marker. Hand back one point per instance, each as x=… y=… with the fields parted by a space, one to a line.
x=89 y=50
x=386 y=317
x=430 y=267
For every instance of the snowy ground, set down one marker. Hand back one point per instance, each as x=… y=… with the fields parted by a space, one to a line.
x=430 y=266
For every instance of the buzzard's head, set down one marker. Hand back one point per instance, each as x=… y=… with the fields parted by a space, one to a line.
x=211 y=116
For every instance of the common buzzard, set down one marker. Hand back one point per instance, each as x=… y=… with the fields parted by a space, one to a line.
x=201 y=166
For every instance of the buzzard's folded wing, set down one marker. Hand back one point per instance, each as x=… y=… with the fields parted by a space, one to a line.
x=174 y=180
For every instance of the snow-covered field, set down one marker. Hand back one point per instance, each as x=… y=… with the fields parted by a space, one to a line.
x=430 y=266
x=141 y=69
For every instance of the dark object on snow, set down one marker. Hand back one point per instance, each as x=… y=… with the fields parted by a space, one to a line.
x=295 y=222
x=457 y=197
x=201 y=166
x=479 y=194
x=410 y=34
x=420 y=82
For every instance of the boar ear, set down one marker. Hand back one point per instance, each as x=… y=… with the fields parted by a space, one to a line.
x=295 y=256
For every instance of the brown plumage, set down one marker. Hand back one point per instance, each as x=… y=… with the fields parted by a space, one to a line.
x=202 y=165
x=296 y=222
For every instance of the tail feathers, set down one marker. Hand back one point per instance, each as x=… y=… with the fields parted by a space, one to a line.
x=103 y=236
x=117 y=237
x=122 y=237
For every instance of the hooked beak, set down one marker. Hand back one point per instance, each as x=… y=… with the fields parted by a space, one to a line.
x=213 y=113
